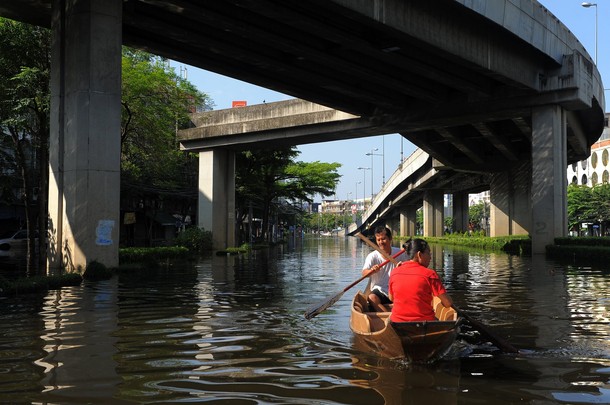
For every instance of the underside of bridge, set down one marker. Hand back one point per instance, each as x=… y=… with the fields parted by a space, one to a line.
x=466 y=102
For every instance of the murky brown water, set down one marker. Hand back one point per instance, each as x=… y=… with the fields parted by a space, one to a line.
x=231 y=330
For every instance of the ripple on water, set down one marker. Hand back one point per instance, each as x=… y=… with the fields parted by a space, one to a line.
x=231 y=330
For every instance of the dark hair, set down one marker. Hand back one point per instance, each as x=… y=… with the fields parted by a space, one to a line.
x=412 y=246
x=384 y=229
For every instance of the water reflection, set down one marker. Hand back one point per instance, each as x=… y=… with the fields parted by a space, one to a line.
x=231 y=329
x=399 y=383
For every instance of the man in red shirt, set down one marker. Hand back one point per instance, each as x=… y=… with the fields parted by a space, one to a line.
x=413 y=285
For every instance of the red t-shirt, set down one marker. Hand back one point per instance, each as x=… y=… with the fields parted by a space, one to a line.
x=412 y=287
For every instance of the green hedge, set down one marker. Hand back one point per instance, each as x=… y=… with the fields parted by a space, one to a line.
x=583 y=241
x=38 y=284
x=152 y=255
x=196 y=240
x=580 y=253
x=582 y=249
x=521 y=244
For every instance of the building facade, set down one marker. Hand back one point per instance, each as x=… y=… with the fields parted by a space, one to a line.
x=595 y=169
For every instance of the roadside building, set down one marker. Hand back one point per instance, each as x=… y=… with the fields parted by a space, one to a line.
x=596 y=168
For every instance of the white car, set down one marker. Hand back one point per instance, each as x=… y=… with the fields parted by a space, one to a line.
x=14 y=246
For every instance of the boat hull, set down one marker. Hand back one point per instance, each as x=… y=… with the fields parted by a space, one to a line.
x=417 y=342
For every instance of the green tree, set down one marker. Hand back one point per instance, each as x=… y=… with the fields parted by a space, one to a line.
x=419 y=221
x=155 y=103
x=268 y=180
x=600 y=195
x=579 y=205
x=477 y=214
x=449 y=224
x=24 y=126
x=588 y=204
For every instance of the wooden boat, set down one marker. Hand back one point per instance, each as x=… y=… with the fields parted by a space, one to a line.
x=417 y=342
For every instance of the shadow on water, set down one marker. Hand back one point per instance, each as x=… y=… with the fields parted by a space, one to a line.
x=231 y=330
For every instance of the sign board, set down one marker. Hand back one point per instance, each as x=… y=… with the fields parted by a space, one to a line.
x=354 y=208
x=239 y=103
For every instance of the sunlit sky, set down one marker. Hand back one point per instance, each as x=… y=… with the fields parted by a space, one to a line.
x=583 y=22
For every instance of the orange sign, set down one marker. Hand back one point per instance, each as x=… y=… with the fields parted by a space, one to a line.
x=239 y=103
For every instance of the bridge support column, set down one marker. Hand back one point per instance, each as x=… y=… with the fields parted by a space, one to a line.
x=216 y=207
x=510 y=198
x=85 y=127
x=393 y=224
x=433 y=213
x=408 y=220
x=460 y=212
x=549 y=176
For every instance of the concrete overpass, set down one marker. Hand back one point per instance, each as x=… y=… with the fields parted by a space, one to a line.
x=419 y=181
x=480 y=86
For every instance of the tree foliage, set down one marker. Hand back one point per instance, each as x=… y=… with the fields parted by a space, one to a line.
x=271 y=181
x=477 y=214
x=156 y=102
x=24 y=124
x=579 y=205
x=588 y=204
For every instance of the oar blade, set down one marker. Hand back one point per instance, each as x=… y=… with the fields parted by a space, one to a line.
x=485 y=331
x=494 y=338
x=322 y=305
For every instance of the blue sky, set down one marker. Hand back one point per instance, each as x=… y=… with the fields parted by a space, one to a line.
x=352 y=153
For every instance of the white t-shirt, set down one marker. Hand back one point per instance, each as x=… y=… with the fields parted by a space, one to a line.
x=381 y=278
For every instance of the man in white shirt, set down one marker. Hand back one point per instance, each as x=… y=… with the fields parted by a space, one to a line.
x=380 y=277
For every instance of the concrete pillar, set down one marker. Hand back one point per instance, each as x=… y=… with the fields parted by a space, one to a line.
x=408 y=220
x=549 y=182
x=521 y=218
x=500 y=197
x=84 y=148
x=393 y=224
x=460 y=212
x=433 y=213
x=216 y=207
x=510 y=198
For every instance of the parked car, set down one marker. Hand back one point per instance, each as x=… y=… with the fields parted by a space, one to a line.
x=14 y=246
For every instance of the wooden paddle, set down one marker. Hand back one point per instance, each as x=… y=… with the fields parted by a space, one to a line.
x=323 y=305
x=485 y=331
x=376 y=247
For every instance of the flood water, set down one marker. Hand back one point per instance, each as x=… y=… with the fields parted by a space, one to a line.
x=231 y=330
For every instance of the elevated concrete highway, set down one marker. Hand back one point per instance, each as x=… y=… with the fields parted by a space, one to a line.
x=500 y=87
x=419 y=181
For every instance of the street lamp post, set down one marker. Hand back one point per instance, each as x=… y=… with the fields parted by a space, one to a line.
x=402 y=156
x=383 y=161
x=371 y=154
x=345 y=212
x=364 y=169
x=587 y=5
x=356 y=196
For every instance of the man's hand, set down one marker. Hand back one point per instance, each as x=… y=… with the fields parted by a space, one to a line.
x=367 y=272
